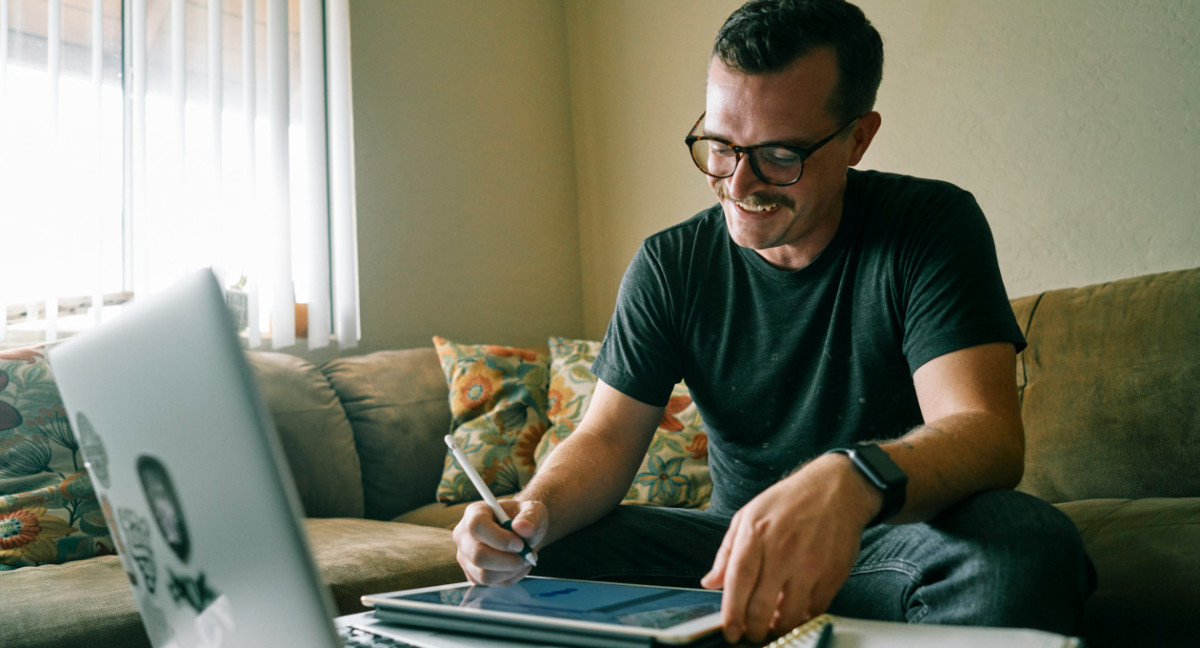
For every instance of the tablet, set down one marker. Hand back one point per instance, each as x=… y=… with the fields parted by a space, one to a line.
x=563 y=611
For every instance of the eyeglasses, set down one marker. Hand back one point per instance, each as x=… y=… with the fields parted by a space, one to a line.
x=775 y=164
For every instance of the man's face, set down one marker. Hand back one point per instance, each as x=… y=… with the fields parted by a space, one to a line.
x=788 y=226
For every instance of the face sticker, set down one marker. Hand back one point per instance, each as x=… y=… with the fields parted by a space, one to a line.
x=137 y=537
x=164 y=504
x=95 y=457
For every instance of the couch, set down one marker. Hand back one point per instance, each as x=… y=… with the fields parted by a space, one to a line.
x=1110 y=396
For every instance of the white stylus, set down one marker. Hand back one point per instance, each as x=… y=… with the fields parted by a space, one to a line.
x=501 y=516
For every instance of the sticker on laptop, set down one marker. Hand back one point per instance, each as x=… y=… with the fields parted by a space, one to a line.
x=95 y=457
x=136 y=530
x=164 y=505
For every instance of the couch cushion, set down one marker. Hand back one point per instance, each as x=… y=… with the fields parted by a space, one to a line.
x=315 y=434
x=396 y=402
x=675 y=469
x=81 y=603
x=89 y=603
x=1111 y=402
x=498 y=406
x=1147 y=565
x=48 y=508
x=357 y=557
x=436 y=514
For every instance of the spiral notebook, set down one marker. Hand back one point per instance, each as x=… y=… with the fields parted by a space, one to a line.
x=860 y=633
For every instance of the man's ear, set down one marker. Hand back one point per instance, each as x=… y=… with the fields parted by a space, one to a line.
x=864 y=133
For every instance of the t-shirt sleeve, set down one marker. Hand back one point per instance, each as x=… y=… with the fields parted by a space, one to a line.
x=950 y=285
x=640 y=355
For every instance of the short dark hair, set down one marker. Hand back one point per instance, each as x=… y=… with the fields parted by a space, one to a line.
x=765 y=36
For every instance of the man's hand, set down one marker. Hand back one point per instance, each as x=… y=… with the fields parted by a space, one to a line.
x=488 y=553
x=788 y=551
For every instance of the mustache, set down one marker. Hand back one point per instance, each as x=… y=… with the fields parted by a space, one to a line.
x=756 y=200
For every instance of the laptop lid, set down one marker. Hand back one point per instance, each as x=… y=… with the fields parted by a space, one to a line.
x=191 y=476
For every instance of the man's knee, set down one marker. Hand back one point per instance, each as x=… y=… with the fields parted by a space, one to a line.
x=1029 y=549
x=1018 y=528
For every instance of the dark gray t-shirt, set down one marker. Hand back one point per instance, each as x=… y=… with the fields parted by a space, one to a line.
x=784 y=365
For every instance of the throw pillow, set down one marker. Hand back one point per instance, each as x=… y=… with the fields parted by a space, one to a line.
x=498 y=415
x=48 y=509
x=675 y=470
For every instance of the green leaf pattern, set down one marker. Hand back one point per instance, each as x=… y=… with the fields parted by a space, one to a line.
x=48 y=507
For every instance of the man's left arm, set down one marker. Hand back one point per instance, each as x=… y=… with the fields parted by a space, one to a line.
x=790 y=549
x=972 y=439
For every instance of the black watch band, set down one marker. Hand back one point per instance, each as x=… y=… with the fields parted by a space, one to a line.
x=879 y=469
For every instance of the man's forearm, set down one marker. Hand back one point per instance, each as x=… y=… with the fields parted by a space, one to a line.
x=955 y=457
x=581 y=481
x=589 y=473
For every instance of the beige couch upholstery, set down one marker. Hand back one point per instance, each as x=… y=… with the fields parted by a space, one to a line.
x=1110 y=391
x=1110 y=398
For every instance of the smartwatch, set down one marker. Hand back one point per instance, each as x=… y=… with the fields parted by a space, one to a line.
x=879 y=469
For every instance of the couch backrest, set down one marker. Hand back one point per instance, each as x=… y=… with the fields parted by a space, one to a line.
x=1110 y=389
x=315 y=434
x=398 y=404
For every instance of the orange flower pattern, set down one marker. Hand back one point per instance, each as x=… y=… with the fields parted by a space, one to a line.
x=675 y=405
x=675 y=470
x=29 y=535
x=475 y=390
x=498 y=408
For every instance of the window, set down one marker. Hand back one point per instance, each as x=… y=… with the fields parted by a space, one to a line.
x=147 y=138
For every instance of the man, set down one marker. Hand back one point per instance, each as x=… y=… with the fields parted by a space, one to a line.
x=817 y=308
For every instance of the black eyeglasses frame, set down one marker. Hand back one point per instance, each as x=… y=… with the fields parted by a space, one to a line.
x=748 y=151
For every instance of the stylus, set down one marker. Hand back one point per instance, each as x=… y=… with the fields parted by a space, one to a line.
x=482 y=487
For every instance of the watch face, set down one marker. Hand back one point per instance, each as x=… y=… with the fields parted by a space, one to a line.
x=880 y=467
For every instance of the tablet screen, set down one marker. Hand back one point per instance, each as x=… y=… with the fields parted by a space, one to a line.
x=611 y=603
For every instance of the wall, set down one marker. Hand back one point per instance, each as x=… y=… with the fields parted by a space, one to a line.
x=637 y=83
x=1074 y=123
x=511 y=156
x=464 y=168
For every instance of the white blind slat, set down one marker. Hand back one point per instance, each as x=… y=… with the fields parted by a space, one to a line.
x=216 y=108
x=97 y=309
x=341 y=177
x=283 y=315
x=316 y=178
x=53 y=199
x=250 y=197
x=4 y=296
x=137 y=235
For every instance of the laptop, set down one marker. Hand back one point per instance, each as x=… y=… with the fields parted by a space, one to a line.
x=192 y=479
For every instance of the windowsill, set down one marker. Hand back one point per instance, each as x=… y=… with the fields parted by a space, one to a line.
x=32 y=334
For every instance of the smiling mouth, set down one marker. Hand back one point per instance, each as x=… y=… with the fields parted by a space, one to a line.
x=756 y=207
x=755 y=203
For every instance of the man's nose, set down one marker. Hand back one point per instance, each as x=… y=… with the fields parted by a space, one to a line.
x=744 y=181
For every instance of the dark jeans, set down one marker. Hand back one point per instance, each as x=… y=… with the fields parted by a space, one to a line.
x=999 y=558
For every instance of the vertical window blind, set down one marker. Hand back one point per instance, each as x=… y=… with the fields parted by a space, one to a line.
x=143 y=139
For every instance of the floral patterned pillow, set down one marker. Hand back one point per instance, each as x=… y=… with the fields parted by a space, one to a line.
x=48 y=509
x=498 y=410
x=675 y=470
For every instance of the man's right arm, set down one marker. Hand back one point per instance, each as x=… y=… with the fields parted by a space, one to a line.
x=585 y=477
